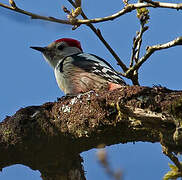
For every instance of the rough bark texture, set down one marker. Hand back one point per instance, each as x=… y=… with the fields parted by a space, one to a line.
x=50 y=137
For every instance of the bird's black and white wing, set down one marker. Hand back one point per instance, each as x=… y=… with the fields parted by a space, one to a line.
x=94 y=64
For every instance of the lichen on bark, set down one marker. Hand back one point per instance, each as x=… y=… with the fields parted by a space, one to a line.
x=50 y=137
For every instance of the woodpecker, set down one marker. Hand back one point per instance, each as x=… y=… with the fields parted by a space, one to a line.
x=78 y=72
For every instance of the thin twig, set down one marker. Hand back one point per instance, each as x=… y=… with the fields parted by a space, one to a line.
x=129 y=8
x=137 y=41
x=103 y=159
x=150 y=51
x=136 y=52
x=142 y=30
x=120 y=63
x=143 y=15
x=35 y=16
x=133 y=51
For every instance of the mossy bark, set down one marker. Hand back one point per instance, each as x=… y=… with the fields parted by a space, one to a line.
x=49 y=138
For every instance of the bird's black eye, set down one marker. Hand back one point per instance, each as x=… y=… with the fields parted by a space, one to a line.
x=61 y=46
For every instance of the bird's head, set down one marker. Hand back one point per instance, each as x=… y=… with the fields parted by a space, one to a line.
x=59 y=49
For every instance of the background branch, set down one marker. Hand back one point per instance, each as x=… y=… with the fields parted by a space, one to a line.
x=151 y=50
x=128 y=8
x=34 y=16
x=143 y=15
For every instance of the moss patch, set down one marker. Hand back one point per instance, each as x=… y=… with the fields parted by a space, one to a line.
x=176 y=108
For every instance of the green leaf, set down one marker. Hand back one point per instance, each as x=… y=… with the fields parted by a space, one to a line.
x=173 y=173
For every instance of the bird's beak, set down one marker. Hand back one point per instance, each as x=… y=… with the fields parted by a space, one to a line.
x=41 y=49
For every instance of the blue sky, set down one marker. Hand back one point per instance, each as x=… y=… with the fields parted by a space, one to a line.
x=26 y=79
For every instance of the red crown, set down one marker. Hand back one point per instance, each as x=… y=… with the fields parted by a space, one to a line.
x=70 y=42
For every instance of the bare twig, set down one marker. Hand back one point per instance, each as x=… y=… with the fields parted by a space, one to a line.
x=135 y=54
x=120 y=63
x=133 y=51
x=137 y=45
x=103 y=159
x=35 y=16
x=130 y=7
x=150 y=51
x=143 y=15
x=99 y=35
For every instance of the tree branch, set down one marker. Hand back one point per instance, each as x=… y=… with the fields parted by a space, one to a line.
x=35 y=16
x=150 y=51
x=50 y=137
x=143 y=15
x=128 y=8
